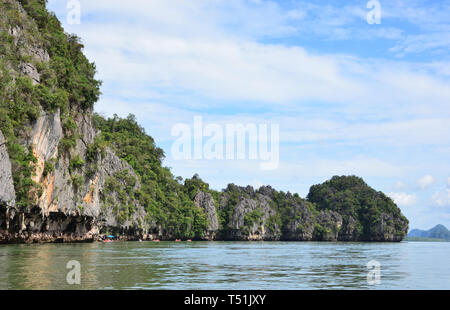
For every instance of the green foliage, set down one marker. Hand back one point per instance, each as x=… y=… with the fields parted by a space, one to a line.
x=133 y=145
x=121 y=184
x=225 y=212
x=17 y=110
x=167 y=202
x=76 y=163
x=73 y=72
x=69 y=141
x=97 y=147
x=192 y=186
x=352 y=197
x=77 y=181
x=290 y=207
x=66 y=144
x=273 y=223
x=320 y=232
x=27 y=191
x=67 y=84
x=91 y=170
x=51 y=100
x=252 y=217
x=48 y=168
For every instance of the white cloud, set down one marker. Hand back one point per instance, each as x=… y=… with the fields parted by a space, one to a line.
x=442 y=199
x=399 y=185
x=403 y=199
x=394 y=133
x=207 y=48
x=448 y=182
x=230 y=68
x=421 y=43
x=426 y=181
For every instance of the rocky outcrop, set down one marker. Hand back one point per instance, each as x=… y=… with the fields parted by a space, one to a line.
x=253 y=217
x=65 y=212
x=7 y=193
x=205 y=201
x=300 y=223
x=388 y=228
x=266 y=214
x=328 y=225
x=32 y=227
x=31 y=71
x=70 y=205
x=134 y=226
x=348 y=231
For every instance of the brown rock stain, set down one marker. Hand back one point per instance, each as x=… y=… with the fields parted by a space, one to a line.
x=39 y=166
x=50 y=190
x=90 y=195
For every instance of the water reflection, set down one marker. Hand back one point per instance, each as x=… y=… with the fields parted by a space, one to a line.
x=227 y=265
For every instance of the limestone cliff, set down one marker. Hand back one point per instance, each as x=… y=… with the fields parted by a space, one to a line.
x=67 y=205
x=67 y=174
x=205 y=201
x=7 y=195
x=265 y=214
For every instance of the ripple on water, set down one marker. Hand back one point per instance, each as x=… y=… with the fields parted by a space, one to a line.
x=226 y=265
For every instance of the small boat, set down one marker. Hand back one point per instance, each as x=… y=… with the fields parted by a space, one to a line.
x=156 y=240
x=189 y=240
x=109 y=238
x=178 y=240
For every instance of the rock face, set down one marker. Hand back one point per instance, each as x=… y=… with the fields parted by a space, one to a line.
x=205 y=201
x=7 y=193
x=300 y=223
x=70 y=205
x=250 y=220
x=329 y=225
x=363 y=214
x=29 y=70
x=387 y=230
x=266 y=214
x=64 y=212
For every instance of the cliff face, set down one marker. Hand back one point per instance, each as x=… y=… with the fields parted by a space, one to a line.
x=7 y=194
x=64 y=211
x=69 y=175
x=205 y=201
x=268 y=215
x=68 y=204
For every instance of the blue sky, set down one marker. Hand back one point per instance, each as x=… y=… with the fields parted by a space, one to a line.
x=350 y=97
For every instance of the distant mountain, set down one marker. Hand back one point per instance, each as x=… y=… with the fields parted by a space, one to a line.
x=437 y=232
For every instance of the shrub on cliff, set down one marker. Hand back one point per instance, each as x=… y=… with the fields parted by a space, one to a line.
x=167 y=202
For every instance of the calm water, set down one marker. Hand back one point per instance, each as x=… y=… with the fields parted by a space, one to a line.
x=226 y=265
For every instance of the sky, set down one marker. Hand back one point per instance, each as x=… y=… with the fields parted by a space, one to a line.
x=350 y=96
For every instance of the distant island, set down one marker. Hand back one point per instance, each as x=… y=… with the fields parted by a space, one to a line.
x=69 y=175
x=437 y=233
